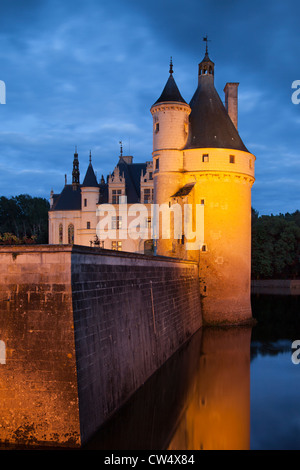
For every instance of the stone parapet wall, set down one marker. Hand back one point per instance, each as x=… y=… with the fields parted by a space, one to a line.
x=82 y=330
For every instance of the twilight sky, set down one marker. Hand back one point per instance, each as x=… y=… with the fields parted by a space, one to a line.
x=86 y=72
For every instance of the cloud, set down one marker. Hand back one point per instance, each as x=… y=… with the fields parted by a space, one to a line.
x=87 y=74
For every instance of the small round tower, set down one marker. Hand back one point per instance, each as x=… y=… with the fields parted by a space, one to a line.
x=170 y=131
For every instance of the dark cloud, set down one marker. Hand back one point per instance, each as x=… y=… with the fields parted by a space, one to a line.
x=86 y=74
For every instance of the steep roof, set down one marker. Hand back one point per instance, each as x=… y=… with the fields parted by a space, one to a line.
x=210 y=124
x=68 y=200
x=170 y=92
x=90 y=179
x=132 y=174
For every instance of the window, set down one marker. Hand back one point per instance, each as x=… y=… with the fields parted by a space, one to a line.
x=157 y=127
x=148 y=222
x=205 y=158
x=116 y=193
x=85 y=202
x=157 y=164
x=150 y=176
x=231 y=159
x=117 y=246
x=60 y=234
x=116 y=222
x=204 y=248
x=202 y=202
x=148 y=195
x=71 y=234
x=88 y=225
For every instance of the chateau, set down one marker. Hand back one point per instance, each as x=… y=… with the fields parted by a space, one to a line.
x=199 y=165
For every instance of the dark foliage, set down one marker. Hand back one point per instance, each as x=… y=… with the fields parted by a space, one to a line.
x=276 y=246
x=23 y=219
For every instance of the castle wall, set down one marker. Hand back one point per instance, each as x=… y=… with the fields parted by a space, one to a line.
x=82 y=330
x=38 y=381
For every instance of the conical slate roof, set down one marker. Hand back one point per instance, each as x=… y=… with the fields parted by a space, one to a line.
x=90 y=180
x=170 y=92
x=210 y=124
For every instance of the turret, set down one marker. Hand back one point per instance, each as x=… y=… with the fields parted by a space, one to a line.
x=89 y=189
x=170 y=131
x=170 y=117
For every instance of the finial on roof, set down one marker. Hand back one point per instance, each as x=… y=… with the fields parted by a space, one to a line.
x=75 y=149
x=171 y=66
x=90 y=156
x=121 y=148
x=206 y=40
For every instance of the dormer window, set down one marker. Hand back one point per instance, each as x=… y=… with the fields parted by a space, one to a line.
x=116 y=193
x=148 y=195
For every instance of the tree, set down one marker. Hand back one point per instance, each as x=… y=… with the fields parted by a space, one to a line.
x=25 y=217
x=275 y=246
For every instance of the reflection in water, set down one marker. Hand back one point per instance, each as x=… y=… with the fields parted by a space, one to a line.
x=147 y=421
x=218 y=415
x=2 y=352
x=200 y=399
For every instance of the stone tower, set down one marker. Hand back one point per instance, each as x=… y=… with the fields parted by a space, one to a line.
x=203 y=162
x=170 y=132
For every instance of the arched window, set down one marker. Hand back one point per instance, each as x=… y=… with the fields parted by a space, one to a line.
x=60 y=234
x=71 y=234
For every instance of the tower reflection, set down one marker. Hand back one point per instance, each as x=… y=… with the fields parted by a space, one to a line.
x=199 y=399
x=217 y=414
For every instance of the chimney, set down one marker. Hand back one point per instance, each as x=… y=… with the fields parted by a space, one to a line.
x=127 y=158
x=231 y=101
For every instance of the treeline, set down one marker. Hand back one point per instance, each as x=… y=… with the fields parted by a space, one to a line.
x=276 y=246
x=23 y=220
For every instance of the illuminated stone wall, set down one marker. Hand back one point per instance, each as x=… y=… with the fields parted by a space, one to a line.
x=82 y=329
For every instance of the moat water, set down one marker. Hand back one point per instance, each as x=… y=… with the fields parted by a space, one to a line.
x=232 y=388
x=227 y=388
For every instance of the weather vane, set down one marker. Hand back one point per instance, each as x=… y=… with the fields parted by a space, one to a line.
x=121 y=148
x=206 y=40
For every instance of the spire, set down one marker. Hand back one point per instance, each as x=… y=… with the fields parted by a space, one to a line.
x=90 y=179
x=75 y=172
x=207 y=66
x=171 y=91
x=206 y=49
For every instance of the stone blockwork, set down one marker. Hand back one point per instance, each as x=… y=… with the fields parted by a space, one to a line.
x=131 y=313
x=38 y=389
x=82 y=330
